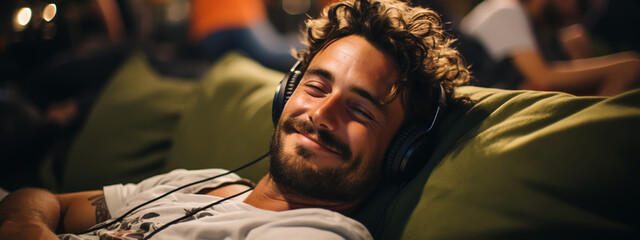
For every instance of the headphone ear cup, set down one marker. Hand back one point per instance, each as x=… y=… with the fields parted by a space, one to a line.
x=407 y=153
x=284 y=91
x=411 y=147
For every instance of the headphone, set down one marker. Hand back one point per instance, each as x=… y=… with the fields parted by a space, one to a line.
x=408 y=151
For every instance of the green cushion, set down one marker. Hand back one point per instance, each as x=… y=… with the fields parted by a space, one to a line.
x=525 y=164
x=145 y=124
x=230 y=124
x=127 y=135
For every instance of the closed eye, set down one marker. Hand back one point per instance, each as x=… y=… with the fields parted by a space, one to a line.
x=362 y=113
x=314 y=90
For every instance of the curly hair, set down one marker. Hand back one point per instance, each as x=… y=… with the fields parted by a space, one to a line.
x=413 y=36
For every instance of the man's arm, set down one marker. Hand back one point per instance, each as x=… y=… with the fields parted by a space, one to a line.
x=575 y=41
x=82 y=210
x=37 y=214
x=29 y=214
x=611 y=74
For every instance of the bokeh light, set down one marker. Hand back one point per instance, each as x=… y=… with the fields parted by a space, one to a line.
x=22 y=19
x=49 y=12
x=178 y=11
x=296 y=7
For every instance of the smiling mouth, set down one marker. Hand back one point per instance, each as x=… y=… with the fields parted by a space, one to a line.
x=317 y=142
x=315 y=139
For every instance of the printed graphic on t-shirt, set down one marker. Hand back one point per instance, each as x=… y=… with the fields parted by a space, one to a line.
x=137 y=227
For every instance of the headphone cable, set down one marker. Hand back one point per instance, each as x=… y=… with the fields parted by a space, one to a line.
x=177 y=220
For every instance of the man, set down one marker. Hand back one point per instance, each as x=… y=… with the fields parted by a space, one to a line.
x=371 y=68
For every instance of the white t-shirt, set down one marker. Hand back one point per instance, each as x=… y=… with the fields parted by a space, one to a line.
x=501 y=26
x=231 y=219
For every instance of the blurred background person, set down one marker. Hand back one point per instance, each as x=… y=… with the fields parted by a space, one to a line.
x=543 y=45
x=218 y=26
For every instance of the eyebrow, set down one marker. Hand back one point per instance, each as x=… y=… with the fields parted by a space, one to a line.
x=322 y=72
x=367 y=95
x=358 y=90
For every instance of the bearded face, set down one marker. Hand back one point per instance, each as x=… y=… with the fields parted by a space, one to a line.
x=335 y=129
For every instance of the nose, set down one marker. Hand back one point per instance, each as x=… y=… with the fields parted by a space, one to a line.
x=326 y=114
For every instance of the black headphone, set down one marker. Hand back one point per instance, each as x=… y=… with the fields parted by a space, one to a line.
x=407 y=153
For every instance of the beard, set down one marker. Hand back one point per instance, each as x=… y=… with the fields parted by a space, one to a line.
x=294 y=173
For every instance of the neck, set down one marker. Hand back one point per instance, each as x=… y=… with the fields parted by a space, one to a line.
x=269 y=196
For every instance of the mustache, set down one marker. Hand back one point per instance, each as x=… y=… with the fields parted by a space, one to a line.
x=292 y=125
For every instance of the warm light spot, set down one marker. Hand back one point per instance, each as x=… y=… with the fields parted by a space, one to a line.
x=296 y=7
x=49 y=12
x=24 y=16
x=178 y=11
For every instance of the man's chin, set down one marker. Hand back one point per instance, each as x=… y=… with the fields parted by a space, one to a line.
x=310 y=178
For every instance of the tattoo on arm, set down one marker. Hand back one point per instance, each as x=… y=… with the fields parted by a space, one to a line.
x=102 y=213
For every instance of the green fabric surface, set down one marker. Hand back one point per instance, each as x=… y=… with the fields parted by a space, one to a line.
x=230 y=124
x=127 y=135
x=522 y=165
